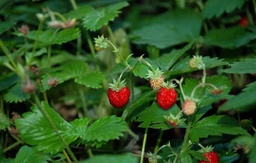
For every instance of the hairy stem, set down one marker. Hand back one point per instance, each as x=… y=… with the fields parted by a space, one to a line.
x=144 y=145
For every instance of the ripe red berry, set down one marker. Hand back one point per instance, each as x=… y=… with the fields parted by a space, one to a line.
x=212 y=157
x=166 y=97
x=243 y=22
x=118 y=94
x=119 y=98
x=189 y=107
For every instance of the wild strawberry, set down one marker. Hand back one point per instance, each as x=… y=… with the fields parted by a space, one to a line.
x=216 y=91
x=175 y=120
x=189 y=107
x=243 y=22
x=166 y=96
x=156 y=78
x=118 y=94
x=196 y=62
x=28 y=87
x=52 y=82
x=210 y=155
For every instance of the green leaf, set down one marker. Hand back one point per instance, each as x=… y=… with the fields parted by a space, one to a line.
x=183 y=66
x=91 y=79
x=80 y=12
x=185 y=158
x=36 y=130
x=29 y=155
x=242 y=102
x=6 y=25
x=243 y=67
x=170 y=29
x=141 y=70
x=252 y=155
x=121 y=158
x=81 y=125
x=52 y=36
x=96 y=18
x=105 y=129
x=8 y=80
x=167 y=60
x=153 y=117
x=215 y=125
x=139 y=104
x=15 y=94
x=233 y=37
x=218 y=7
x=4 y=121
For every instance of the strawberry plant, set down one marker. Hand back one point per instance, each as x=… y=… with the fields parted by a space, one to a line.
x=127 y=81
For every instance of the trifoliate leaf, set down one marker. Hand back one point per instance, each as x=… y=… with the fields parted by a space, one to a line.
x=52 y=36
x=121 y=158
x=233 y=37
x=170 y=29
x=91 y=79
x=15 y=94
x=97 y=18
x=215 y=125
x=242 y=67
x=242 y=102
x=154 y=117
x=29 y=155
x=4 y=121
x=105 y=129
x=215 y=8
x=35 y=129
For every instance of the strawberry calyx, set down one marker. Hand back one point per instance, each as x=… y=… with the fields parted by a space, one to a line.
x=117 y=85
x=175 y=120
x=206 y=149
x=168 y=85
x=154 y=74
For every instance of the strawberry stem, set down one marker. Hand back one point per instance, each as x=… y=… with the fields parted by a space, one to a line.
x=143 y=145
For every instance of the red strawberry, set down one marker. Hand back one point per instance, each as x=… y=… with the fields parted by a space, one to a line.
x=156 y=79
x=243 y=22
x=166 y=96
x=189 y=107
x=212 y=157
x=118 y=94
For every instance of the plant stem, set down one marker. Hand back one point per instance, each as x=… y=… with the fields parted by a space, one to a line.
x=9 y=56
x=47 y=116
x=158 y=141
x=144 y=145
x=12 y=146
x=68 y=159
x=81 y=93
x=185 y=144
x=73 y=3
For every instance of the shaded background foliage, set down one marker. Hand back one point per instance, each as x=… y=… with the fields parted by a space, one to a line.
x=169 y=33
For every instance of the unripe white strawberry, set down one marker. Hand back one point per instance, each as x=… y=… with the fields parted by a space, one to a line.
x=156 y=79
x=189 y=107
